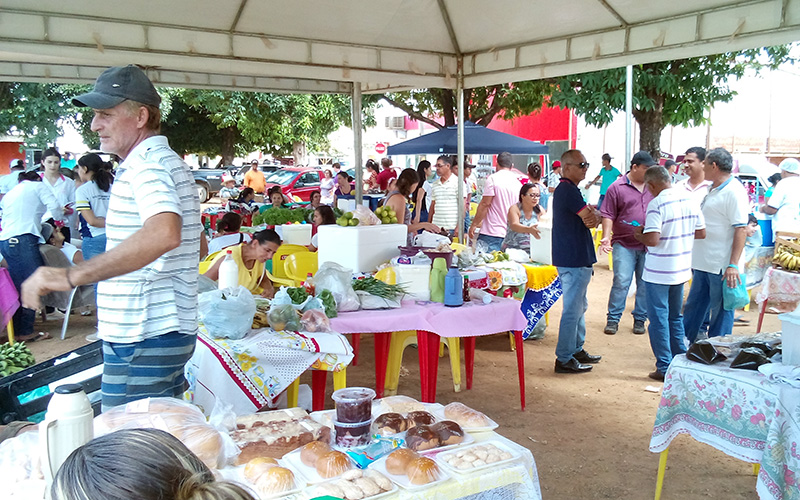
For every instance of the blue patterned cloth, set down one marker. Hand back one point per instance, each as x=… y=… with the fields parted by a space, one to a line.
x=537 y=302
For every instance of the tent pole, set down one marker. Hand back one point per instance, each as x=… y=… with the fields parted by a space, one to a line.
x=357 y=135
x=460 y=157
x=628 y=114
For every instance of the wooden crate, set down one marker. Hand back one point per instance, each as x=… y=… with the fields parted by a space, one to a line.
x=785 y=241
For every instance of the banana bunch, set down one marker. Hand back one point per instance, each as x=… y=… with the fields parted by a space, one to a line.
x=787 y=258
x=495 y=256
x=14 y=358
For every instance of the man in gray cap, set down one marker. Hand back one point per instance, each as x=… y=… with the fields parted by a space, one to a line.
x=147 y=290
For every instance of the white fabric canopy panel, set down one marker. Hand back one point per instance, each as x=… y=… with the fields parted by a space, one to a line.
x=313 y=46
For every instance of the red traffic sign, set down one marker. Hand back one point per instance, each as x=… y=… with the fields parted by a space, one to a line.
x=380 y=148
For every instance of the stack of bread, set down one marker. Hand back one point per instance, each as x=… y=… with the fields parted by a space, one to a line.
x=268 y=477
x=275 y=433
x=419 y=470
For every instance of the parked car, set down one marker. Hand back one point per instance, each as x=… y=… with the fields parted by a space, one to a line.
x=208 y=181
x=296 y=182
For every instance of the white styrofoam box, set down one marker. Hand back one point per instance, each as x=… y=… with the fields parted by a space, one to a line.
x=542 y=249
x=360 y=248
x=415 y=278
x=348 y=205
x=790 y=338
x=295 y=234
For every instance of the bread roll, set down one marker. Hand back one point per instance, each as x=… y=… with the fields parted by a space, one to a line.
x=422 y=470
x=332 y=464
x=465 y=415
x=398 y=460
x=275 y=480
x=389 y=423
x=258 y=466
x=449 y=432
x=311 y=452
x=205 y=442
x=416 y=418
x=421 y=438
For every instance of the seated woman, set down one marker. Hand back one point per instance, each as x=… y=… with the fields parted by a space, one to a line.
x=146 y=464
x=343 y=186
x=523 y=218
x=398 y=199
x=250 y=257
x=276 y=198
x=315 y=200
x=56 y=239
x=244 y=203
x=323 y=215
x=228 y=233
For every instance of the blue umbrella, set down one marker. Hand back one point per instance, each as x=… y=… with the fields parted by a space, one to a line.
x=477 y=140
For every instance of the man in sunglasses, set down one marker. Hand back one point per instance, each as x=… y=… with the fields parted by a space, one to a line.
x=626 y=204
x=573 y=255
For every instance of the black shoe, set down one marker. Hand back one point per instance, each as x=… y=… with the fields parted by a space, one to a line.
x=611 y=328
x=585 y=357
x=638 y=327
x=572 y=366
x=656 y=375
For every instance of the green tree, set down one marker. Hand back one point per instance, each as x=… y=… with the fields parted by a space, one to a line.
x=678 y=92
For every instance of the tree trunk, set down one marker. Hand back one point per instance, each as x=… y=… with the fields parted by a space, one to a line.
x=228 y=141
x=300 y=153
x=651 y=123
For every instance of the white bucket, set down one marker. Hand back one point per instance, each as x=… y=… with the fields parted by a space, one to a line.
x=790 y=338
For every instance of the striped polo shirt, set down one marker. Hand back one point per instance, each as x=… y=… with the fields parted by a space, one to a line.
x=445 y=194
x=676 y=216
x=161 y=297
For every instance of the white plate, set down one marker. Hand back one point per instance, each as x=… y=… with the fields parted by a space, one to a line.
x=236 y=475
x=439 y=414
x=309 y=492
x=309 y=473
x=498 y=444
x=402 y=481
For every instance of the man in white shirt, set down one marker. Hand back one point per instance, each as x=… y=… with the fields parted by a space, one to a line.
x=671 y=225
x=696 y=184
x=147 y=291
x=784 y=203
x=10 y=180
x=444 y=196
x=717 y=259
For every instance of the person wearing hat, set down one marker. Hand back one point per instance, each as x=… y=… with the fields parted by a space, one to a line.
x=554 y=177
x=625 y=205
x=147 y=290
x=7 y=182
x=608 y=174
x=254 y=178
x=718 y=259
x=228 y=190
x=784 y=203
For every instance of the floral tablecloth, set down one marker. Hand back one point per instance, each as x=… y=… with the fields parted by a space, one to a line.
x=781 y=289
x=252 y=372
x=738 y=412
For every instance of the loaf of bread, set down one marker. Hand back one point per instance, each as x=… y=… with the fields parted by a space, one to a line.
x=400 y=404
x=422 y=470
x=465 y=416
x=275 y=433
x=275 y=480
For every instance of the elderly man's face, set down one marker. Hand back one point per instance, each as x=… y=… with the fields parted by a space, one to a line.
x=118 y=128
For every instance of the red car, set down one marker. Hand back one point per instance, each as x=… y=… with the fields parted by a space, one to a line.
x=296 y=182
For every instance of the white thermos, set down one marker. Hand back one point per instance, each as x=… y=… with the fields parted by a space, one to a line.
x=67 y=425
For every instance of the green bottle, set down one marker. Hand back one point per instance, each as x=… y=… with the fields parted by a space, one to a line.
x=438 y=273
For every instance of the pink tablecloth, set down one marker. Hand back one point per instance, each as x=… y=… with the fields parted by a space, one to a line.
x=9 y=298
x=470 y=320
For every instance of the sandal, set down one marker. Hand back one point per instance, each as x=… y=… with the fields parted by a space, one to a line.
x=35 y=337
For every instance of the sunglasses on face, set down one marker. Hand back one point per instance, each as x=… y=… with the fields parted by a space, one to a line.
x=582 y=164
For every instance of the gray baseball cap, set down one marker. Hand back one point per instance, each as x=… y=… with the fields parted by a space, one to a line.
x=118 y=84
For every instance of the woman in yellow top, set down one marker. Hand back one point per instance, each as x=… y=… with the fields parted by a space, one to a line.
x=250 y=257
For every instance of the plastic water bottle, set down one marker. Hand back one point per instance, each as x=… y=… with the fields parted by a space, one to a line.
x=228 y=273
x=437 y=279
x=453 y=288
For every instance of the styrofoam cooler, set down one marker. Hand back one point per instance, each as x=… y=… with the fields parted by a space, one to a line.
x=542 y=249
x=360 y=248
x=790 y=338
x=415 y=278
x=294 y=234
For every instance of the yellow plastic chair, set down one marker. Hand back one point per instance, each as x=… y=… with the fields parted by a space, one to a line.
x=401 y=340
x=339 y=382
x=279 y=259
x=597 y=235
x=299 y=265
x=205 y=264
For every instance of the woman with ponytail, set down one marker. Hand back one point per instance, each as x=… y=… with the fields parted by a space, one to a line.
x=139 y=464
x=92 y=203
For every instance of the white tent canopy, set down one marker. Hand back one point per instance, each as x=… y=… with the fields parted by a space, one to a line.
x=313 y=46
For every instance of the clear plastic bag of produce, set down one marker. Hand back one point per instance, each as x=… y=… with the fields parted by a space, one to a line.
x=338 y=279
x=227 y=315
x=20 y=464
x=369 y=301
x=283 y=298
x=314 y=320
x=365 y=216
x=283 y=317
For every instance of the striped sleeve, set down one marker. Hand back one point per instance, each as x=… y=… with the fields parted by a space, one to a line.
x=155 y=191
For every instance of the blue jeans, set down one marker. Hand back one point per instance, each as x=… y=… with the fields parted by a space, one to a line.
x=572 y=330
x=93 y=246
x=666 y=322
x=491 y=243
x=23 y=258
x=600 y=201
x=705 y=298
x=627 y=263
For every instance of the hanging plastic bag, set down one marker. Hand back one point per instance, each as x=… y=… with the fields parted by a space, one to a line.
x=225 y=314
x=736 y=297
x=338 y=279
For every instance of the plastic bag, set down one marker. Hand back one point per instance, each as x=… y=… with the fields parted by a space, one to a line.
x=282 y=298
x=314 y=320
x=19 y=460
x=225 y=314
x=283 y=317
x=365 y=216
x=736 y=297
x=338 y=279
x=313 y=303
x=369 y=301
x=429 y=240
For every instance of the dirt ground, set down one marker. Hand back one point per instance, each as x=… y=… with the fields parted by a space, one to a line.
x=589 y=433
